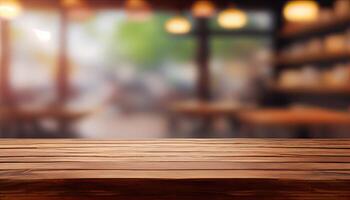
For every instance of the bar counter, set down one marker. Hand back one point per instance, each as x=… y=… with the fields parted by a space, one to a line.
x=175 y=169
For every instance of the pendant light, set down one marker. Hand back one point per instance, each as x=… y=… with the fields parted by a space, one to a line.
x=178 y=25
x=301 y=11
x=232 y=18
x=78 y=10
x=138 y=10
x=203 y=8
x=72 y=3
x=10 y=9
x=136 y=4
x=80 y=14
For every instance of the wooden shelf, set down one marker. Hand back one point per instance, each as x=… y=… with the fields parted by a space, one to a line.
x=316 y=29
x=315 y=59
x=322 y=90
x=295 y=117
x=328 y=96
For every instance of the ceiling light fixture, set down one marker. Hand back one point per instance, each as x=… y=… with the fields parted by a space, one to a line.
x=178 y=25
x=10 y=9
x=203 y=8
x=301 y=11
x=232 y=18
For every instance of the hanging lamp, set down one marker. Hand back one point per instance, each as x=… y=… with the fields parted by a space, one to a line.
x=178 y=25
x=203 y=8
x=78 y=10
x=10 y=9
x=232 y=18
x=301 y=11
x=138 y=10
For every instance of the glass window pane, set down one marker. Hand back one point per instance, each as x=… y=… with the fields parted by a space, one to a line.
x=124 y=66
x=34 y=37
x=240 y=66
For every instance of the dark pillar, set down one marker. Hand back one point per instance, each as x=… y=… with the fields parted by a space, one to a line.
x=5 y=91
x=203 y=84
x=63 y=67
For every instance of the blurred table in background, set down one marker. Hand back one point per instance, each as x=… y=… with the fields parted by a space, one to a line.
x=207 y=113
x=20 y=122
x=303 y=118
x=207 y=108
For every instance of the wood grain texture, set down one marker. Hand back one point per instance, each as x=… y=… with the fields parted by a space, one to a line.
x=301 y=116
x=175 y=169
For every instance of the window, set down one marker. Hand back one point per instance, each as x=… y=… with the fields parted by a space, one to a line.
x=34 y=40
x=129 y=70
x=109 y=49
x=240 y=64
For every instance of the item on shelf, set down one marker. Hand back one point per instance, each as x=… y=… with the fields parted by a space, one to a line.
x=342 y=8
x=283 y=54
x=337 y=77
x=314 y=47
x=289 y=79
x=310 y=76
x=291 y=28
x=297 y=50
x=326 y=15
x=335 y=43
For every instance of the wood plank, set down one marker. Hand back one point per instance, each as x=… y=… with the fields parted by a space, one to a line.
x=171 y=165
x=175 y=189
x=173 y=169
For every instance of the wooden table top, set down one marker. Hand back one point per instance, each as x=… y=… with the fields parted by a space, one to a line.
x=175 y=169
x=299 y=116
x=175 y=159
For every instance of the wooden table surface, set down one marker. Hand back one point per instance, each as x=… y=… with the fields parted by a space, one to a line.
x=298 y=116
x=175 y=169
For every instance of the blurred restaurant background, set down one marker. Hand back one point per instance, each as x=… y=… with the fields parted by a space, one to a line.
x=115 y=69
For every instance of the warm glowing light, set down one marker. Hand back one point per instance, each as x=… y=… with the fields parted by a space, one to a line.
x=136 y=4
x=138 y=10
x=80 y=14
x=78 y=10
x=43 y=36
x=72 y=3
x=10 y=9
x=301 y=11
x=232 y=19
x=203 y=8
x=178 y=25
